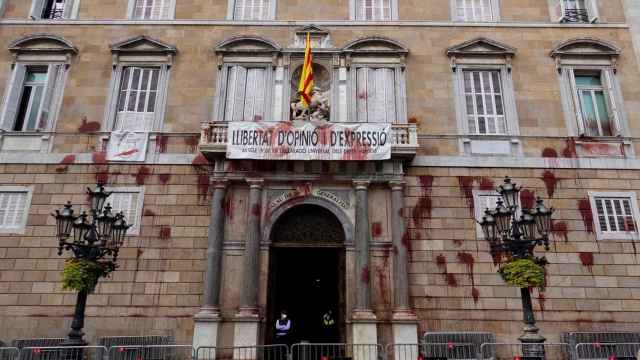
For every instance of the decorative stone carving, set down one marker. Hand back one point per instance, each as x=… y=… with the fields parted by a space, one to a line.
x=318 y=109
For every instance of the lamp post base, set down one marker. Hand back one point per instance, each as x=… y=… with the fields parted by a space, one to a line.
x=532 y=341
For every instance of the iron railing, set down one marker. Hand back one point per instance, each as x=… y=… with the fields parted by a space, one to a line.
x=262 y=352
x=546 y=351
x=152 y=352
x=62 y=353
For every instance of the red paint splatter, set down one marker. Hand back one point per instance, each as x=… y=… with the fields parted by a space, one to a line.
x=381 y=274
x=364 y=274
x=549 y=153
x=148 y=212
x=441 y=261
x=228 y=206
x=423 y=207
x=126 y=153
x=200 y=160
x=102 y=176
x=413 y=120
x=88 y=127
x=469 y=261
x=497 y=257
x=475 y=293
x=457 y=242
x=541 y=301
x=466 y=188
x=584 y=206
x=376 y=229
x=527 y=199
x=570 y=149
x=161 y=143
x=203 y=186
x=256 y=209
x=192 y=143
x=550 y=182
x=586 y=258
x=68 y=160
x=139 y=253
x=451 y=280
x=164 y=178
x=142 y=175
x=426 y=182
x=165 y=232
x=486 y=184
x=406 y=242
x=99 y=157
x=62 y=169
x=560 y=230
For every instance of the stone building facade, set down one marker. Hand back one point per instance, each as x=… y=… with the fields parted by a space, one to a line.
x=542 y=91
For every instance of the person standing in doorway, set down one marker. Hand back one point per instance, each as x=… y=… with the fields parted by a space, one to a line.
x=328 y=326
x=283 y=329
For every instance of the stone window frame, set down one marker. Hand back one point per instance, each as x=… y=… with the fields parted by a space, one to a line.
x=3 y=4
x=485 y=54
x=25 y=216
x=479 y=212
x=231 y=6
x=131 y=8
x=37 y=7
x=353 y=11
x=36 y=50
x=495 y=9
x=251 y=51
x=557 y=12
x=135 y=229
x=374 y=51
x=600 y=235
x=588 y=54
x=144 y=52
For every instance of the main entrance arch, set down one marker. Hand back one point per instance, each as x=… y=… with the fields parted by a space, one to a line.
x=307 y=273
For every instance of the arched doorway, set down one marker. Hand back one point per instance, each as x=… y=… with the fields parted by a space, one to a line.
x=307 y=273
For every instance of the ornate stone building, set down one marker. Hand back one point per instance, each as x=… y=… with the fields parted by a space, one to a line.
x=151 y=97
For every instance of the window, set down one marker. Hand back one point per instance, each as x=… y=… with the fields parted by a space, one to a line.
x=33 y=98
x=482 y=200
x=374 y=10
x=14 y=208
x=152 y=9
x=376 y=95
x=615 y=215
x=253 y=9
x=575 y=11
x=129 y=200
x=54 y=9
x=245 y=94
x=594 y=101
x=484 y=102
x=475 y=10
x=137 y=98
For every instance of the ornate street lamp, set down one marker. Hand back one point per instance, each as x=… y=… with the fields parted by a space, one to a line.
x=515 y=234
x=96 y=238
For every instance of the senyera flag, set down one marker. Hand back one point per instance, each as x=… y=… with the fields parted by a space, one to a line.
x=305 y=88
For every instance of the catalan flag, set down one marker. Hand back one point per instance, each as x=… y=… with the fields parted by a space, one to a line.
x=306 y=77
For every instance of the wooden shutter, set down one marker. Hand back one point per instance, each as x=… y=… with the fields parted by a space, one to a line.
x=12 y=97
x=610 y=95
x=236 y=87
x=161 y=98
x=592 y=10
x=362 y=94
x=559 y=10
x=44 y=114
x=254 y=98
x=390 y=96
x=37 y=7
x=569 y=76
x=68 y=9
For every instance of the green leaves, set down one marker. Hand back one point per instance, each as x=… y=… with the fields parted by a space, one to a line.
x=524 y=273
x=83 y=275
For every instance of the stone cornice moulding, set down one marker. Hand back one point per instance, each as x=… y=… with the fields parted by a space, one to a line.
x=585 y=48
x=42 y=44
x=483 y=48
x=143 y=45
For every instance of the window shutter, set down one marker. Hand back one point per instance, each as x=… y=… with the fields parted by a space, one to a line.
x=239 y=95
x=592 y=10
x=131 y=9
x=37 y=7
x=12 y=97
x=68 y=9
x=44 y=114
x=231 y=92
x=161 y=99
x=570 y=77
x=390 y=96
x=614 y=114
x=255 y=95
x=362 y=94
x=559 y=10
x=374 y=106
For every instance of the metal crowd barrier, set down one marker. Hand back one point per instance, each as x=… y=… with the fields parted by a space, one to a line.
x=597 y=337
x=511 y=351
x=262 y=352
x=306 y=351
x=62 y=353
x=152 y=352
x=9 y=353
x=607 y=351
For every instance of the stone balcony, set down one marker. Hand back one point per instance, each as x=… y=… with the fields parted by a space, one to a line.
x=404 y=139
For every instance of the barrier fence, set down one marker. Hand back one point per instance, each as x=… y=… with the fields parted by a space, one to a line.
x=308 y=351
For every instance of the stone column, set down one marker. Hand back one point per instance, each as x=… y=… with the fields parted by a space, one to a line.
x=206 y=321
x=405 y=326
x=364 y=320
x=247 y=319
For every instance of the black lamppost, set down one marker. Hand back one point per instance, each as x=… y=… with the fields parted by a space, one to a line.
x=97 y=239
x=516 y=234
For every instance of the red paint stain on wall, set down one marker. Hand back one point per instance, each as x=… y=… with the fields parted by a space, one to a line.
x=541 y=301
x=382 y=281
x=466 y=188
x=142 y=175
x=475 y=293
x=148 y=212
x=99 y=157
x=549 y=153
x=364 y=274
x=451 y=280
x=584 y=206
x=200 y=160
x=457 y=242
x=469 y=261
x=550 y=182
x=164 y=178
x=423 y=207
x=527 y=199
x=376 y=229
x=161 y=143
x=67 y=160
x=586 y=258
x=441 y=261
x=88 y=127
x=497 y=257
x=487 y=184
x=559 y=229
x=203 y=186
x=102 y=176
x=228 y=206
x=192 y=143
x=255 y=209
x=165 y=232
x=570 y=149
